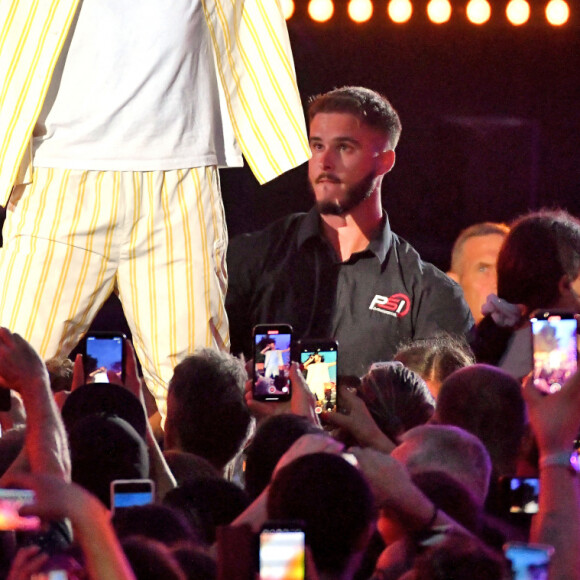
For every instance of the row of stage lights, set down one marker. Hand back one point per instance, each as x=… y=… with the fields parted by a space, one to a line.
x=557 y=12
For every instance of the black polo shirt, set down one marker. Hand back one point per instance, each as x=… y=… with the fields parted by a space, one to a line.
x=371 y=303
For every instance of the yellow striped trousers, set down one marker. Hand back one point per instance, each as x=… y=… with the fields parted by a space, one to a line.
x=71 y=236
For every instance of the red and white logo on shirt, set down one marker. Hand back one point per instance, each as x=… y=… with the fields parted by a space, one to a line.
x=397 y=305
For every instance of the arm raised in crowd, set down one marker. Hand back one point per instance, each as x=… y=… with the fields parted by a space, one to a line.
x=22 y=370
x=159 y=471
x=56 y=499
x=359 y=422
x=555 y=421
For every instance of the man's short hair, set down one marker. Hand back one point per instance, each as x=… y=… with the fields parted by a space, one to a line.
x=370 y=107
x=452 y=450
x=334 y=501
x=208 y=412
x=487 y=402
x=474 y=231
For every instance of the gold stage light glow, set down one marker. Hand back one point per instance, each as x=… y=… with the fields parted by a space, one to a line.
x=478 y=11
x=360 y=10
x=439 y=11
x=321 y=10
x=400 y=11
x=518 y=12
x=288 y=7
x=557 y=12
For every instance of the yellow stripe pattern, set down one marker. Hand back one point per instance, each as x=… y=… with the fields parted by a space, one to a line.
x=161 y=237
x=254 y=65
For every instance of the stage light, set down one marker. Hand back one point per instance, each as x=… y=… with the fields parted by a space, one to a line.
x=321 y=10
x=518 y=12
x=288 y=8
x=439 y=11
x=400 y=10
x=360 y=10
x=557 y=12
x=478 y=11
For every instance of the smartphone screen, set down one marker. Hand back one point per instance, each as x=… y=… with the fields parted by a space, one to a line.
x=529 y=561
x=127 y=493
x=281 y=554
x=272 y=345
x=520 y=495
x=104 y=352
x=11 y=500
x=318 y=361
x=555 y=350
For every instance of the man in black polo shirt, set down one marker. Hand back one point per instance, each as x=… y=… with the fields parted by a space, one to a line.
x=339 y=271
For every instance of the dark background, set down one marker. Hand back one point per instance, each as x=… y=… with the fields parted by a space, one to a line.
x=490 y=114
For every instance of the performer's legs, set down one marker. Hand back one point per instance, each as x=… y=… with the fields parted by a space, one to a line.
x=59 y=257
x=172 y=273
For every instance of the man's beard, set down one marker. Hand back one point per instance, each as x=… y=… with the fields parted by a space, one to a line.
x=353 y=196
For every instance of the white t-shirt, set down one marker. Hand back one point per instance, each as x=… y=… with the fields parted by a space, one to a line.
x=135 y=89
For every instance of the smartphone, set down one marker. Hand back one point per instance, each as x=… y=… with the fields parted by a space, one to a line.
x=555 y=348
x=103 y=351
x=11 y=500
x=318 y=361
x=272 y=344
x=281 y=551
x=127 y=493
x=528 y=561
x=520 y=495
x=51 y=575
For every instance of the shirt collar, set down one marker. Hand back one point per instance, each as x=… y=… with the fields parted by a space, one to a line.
x=379 y=245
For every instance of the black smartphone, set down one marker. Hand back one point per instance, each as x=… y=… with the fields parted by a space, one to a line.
x=102 y=352
x=528 y=561
x=519 y=495
x=272 y=344
x=11 y=500
x=127 y=493
x=281 y=551
x=318 y=360
x=555 y=348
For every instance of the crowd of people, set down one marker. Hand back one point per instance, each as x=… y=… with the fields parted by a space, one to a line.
x=405 y=480
x=110 y=182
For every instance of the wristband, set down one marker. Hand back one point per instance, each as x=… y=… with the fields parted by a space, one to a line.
x=565 y=459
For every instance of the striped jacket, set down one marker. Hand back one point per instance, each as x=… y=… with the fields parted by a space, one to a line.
x=253 y=61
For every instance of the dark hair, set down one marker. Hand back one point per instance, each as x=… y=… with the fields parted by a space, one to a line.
x=370 y=107
x=475 y=231
x=156 y=522
x=397 y=398
x=208 y=412
x=273 y=438
x=437 y=357
x=334 y=501
x=540 y=248
x=207 y=503
x=151 y=560
x=488 y=403
x=460 y=557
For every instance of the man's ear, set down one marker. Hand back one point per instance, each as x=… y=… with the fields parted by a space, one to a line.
x=386 y=162
x=453 y=276
x=564 y=285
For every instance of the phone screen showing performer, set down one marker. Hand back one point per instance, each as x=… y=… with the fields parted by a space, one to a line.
x=272 y=344
x=318 y=362
x=555 y=349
